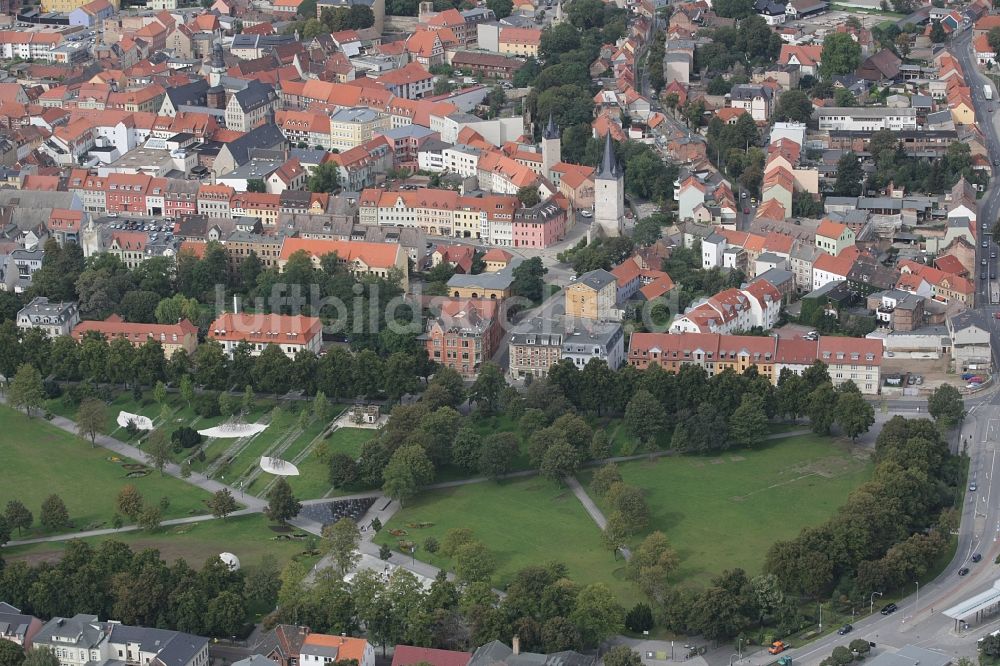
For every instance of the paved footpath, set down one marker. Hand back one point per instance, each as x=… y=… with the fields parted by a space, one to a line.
x=125 y=528
x=173 y=469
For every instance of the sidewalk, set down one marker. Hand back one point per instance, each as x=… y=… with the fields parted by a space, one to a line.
x=126 y=528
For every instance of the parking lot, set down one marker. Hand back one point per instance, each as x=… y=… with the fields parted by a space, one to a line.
x=934 y=372
x=828 y=21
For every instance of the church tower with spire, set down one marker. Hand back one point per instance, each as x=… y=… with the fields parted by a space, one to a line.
x=609 y=193
x=551 y=147
x=218 y=66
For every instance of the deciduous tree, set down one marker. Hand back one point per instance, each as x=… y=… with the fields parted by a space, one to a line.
x=54 y=515
x=409 y=468
x=341 y=541
x=474 y=562
x=841 y=54
x=281 y=503
x=158 y=449
x=222 y=503
x=26 y=390
x=622 y=655
x=645 y=418
x=91 y=417
x=18 y=516
x=945 y=404
x=11 y=654
x=748 y=424
x=497 y=454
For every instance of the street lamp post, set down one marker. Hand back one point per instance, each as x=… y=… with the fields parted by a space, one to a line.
x=872 y=604
x=821 y=617
x=916 y=604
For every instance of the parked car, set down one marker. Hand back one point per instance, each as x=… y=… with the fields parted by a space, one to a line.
x=846 y=629
x=972 y=387
x=889 y=609
x=587 y=213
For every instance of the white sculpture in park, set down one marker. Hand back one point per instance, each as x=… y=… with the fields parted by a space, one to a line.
x=230 y=561
x=278 y=466
x=141 y=422
x=233 y=430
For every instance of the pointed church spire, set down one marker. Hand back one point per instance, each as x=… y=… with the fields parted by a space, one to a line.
x=608 y=167
x=218 y=61
x=551 y=131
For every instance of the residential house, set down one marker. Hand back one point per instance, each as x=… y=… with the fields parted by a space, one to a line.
x=464 y=334
x=251 y=107
x=381 y=260
x=53 y=319
x=172 y=337
x=494 y=286
x=897 y=310
x=322 y=649
x=833 y=237
x=592 y=296
x=971 y=341
x=17 y=627
x=847 y=359
x=408 y=655
x=757 y=100
x=291 y=333
x=83 y=639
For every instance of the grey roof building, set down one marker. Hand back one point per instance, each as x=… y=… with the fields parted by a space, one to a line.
x=54 y=319
x=238 y=152
x=496 y=653
x=498 y=281
x=597 y=279
x=17 y=627
x=911 y=655
x=109 y=643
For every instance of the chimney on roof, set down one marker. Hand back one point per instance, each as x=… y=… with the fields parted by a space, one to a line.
x=515 y=645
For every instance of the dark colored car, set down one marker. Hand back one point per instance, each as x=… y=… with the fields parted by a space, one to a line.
x=976 y=557
x=963 y=571
x=889 y=609
x=846 y=629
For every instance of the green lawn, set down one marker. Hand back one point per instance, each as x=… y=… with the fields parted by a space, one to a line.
x=40 y=459
x=719 y=512
x=248 y=537
x=724 y=511
x=312 y=481
x=523 y=522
